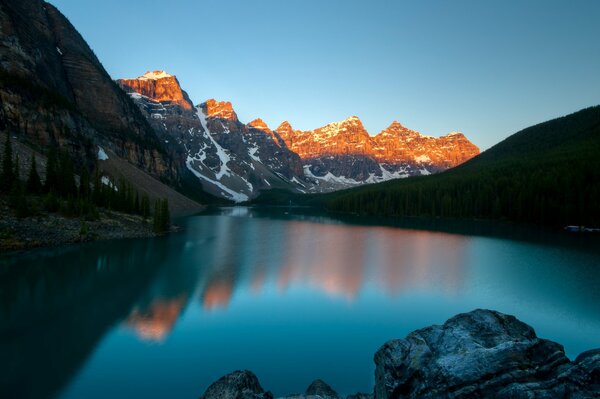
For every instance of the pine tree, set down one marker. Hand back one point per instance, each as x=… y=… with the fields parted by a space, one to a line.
x=51 y=184
x=34 y=184
x=145 y=206
x=66 y=176
x=6 y=175
x=84 y=184
x=17 y=174
x=162 y=217
x=166 y=215
x=157 y=217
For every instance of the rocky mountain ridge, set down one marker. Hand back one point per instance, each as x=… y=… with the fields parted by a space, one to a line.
x=229 y=159
x=237 y=161
x=345 y=152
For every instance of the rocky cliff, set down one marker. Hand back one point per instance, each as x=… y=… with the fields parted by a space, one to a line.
x=344 y=154
x=54 y=91
x=236 y=161
x=160 y=86
x=480 y=354
x=227 y=158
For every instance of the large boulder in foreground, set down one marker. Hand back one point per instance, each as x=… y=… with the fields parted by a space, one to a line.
x=482 y=354
x=237 y=385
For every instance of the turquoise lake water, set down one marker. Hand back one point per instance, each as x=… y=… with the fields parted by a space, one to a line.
x=291 y=297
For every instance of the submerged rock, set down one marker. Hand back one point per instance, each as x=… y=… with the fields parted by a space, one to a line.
x=237 y=385
x=482 y=354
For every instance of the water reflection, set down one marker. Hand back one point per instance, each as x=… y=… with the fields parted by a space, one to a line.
x=156 y=321
x=338 y=261
x=56 y=306
x=56 y=309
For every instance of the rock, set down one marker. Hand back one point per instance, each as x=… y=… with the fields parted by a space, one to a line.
x=237 y=385
x=360 y=395
x=54 y=91
x=320 y=388
x=481 y=354
x=353 y=156
x=159 y=86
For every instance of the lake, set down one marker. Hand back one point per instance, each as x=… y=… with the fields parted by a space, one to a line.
x=292 y=297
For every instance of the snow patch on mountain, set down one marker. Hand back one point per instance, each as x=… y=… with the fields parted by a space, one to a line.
x=233 y=195
x=102 y=154
x=155 y=75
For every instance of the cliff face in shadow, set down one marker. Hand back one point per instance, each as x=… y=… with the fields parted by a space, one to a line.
x=53 y=90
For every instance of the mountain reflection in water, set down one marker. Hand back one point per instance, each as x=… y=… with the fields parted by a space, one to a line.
x=269 y=281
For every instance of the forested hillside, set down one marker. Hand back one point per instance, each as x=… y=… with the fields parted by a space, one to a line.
x=545 y=174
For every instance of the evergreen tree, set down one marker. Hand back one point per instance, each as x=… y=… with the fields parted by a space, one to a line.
x=84 y=184
x=145 y=206
x=162 y=217
x=51 y=184
x=6 y=175
x=66 y=176
x=16 y=184
x=166 y=215
x=157 y=223
x=34 y=184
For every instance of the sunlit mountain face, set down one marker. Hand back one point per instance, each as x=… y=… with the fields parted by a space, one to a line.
x=236 y=160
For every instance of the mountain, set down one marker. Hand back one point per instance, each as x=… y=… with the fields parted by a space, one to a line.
x=55 y=92
x=227 y=158
x=344 y=152
x=237 y=161
x=546 y=174
x=159 y=86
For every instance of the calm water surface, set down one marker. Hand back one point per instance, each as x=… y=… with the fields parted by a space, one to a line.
x=292 y=298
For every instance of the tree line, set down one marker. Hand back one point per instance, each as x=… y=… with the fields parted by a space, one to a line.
x=63 y=192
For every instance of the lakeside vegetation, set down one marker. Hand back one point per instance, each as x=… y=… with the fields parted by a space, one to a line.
x=547 y=174
x=70 y=194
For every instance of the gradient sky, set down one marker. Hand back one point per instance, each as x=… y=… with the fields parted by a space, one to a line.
x=485 y=68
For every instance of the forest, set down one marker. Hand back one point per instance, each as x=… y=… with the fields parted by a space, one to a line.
x=72 y=194
x=547 y=174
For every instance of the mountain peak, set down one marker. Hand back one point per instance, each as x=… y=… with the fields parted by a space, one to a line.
x=259 y=124
x=159 y=86
x=220 y=109
x=396 y=124
x=352 y=119
x=284 y=126
x=155 y=75
x=399 y=130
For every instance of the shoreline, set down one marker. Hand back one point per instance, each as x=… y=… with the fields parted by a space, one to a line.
x=51 y=230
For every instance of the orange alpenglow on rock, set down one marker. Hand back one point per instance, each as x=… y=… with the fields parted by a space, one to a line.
x=393 y=145
x=159 y=86
x=220 y=109
x=260 y=125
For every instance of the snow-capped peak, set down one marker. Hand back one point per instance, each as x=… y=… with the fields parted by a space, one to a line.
x=155 y=75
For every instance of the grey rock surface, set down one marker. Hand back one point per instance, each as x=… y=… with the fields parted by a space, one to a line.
x=480 y=354
x=237 y=385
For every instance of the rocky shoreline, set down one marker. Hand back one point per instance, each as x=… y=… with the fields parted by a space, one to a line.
x=52 y=229
x=480 y=354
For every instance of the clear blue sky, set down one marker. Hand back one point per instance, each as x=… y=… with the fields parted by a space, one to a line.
x=482 y=67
